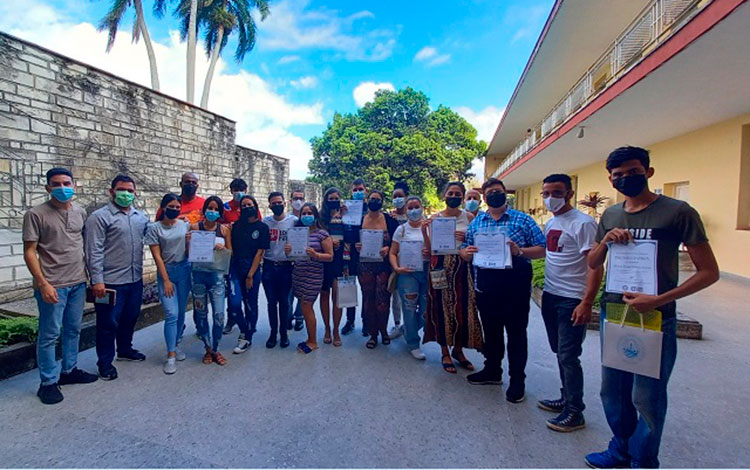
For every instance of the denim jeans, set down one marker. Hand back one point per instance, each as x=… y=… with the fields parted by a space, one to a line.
x=208 y=287
x=412 y=289
x=277 y=283
x=636 y=405
x=65 y=314
x=294 y=313
x=239 y=295
x=566 y=342
x=175 y=306
x=115 y=323
x=396 y=309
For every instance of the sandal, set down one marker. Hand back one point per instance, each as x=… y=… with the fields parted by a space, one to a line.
x=304 y=348
x=337 y=342
x=448 y=366
x=386 y=340
x=327 y=338
x=219 y=359
x=208 y=358
x=372 y=342
x=463 y=362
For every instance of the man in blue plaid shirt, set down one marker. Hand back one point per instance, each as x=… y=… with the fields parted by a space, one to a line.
x=503 y=295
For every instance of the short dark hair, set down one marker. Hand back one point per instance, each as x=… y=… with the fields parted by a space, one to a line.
x=58 y=171
x=218 y=201
x=377 y=191
x=238 y=184
x=358 y=181
x=455 y=183
x=403 y=186
x=559 y=178
x=298 y=190
x=274 y=194
x=124 y=179
x=492 y=182
x=621 y=155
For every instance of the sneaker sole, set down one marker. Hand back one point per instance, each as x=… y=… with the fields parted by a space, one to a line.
x=234 y=351
x=557 y=428
x=519 y=400
x=591 y=465
x=486 y=382
x=107 y=378
x=549 y=408
x=127 y=359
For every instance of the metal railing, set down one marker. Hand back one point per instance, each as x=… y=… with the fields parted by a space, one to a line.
x=656 y=23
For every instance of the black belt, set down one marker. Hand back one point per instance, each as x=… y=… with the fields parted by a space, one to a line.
x=277 y=263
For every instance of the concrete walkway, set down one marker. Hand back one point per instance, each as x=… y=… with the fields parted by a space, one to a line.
x=352 y=407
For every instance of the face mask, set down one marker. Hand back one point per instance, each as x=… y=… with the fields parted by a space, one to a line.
x=171 y=213
x=414 y=214
x=334 y=205
x=238 y=196
x=307 y=220
x=472 y=205
x=277 y=209
x=358 y=195
x=453 y=202
x=399 y=202
x=249 y=212
x=630 y=186
x=63 y=193
x=212 y=216
x=189 y=190
x=124 y=198
x=375 y=205
x=297 y=204
x=496 y=200
x=554 y=204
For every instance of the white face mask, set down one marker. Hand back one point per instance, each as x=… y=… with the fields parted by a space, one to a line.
x=554 y=204
x=297 y=204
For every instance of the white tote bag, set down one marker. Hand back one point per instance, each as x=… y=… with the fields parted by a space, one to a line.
x=632 y=349
x=347 y=292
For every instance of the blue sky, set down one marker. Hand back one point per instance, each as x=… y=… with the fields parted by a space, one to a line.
x=311 y=56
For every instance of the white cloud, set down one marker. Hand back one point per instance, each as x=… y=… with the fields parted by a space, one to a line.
x=365 y=91
x=263 y=116
x=288 y=59
x=431 y=56
x=305 y=82
x=425 y=53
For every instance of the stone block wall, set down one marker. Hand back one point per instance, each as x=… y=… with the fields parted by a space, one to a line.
x=313 y=191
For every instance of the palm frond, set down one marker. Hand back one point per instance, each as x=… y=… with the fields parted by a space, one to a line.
x=160 y=7
x=112 y=19
x=136 y=29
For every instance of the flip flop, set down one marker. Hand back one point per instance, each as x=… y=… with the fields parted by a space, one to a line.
x=465 y=363
x=304 y=348
x=448 y=367
x=337 y=343
x=327 y=340
x=371 y=343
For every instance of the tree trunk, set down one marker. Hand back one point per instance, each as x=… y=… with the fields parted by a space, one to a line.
x=191 y=51
x=210 y=74
x=149 y=47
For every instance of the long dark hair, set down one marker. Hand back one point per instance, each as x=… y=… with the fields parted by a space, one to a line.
x=325 y=212
x=317 y=224
x=242 y=220
x=218 y=201
x=169 y=197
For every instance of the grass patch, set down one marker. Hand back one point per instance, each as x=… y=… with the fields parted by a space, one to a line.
x=16 y=330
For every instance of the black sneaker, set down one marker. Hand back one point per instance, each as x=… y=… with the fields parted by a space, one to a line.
x=284 y=343
x=133 y=355
x=484 y=377
x=109 y=373
x=347 y=328
x=555 y=406
x=77 y=376
x=567 y=421
x=289 y=324
x=516 y=392
x=364 y=332
x=50 y=394
x=298 y=324
x=271 y=343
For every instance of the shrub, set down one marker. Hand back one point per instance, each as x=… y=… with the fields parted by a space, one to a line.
x=537 y=280
x=15 y=330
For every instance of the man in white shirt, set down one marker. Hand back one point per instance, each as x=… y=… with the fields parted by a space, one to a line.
x=570 y=288
x=277 y=269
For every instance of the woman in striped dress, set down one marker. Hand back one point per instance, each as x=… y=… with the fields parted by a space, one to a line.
x=307 y=275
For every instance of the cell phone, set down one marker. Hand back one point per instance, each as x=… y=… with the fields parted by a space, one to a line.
x=109 y=297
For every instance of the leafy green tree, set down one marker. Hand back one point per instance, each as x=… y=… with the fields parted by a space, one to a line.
x=396 y=137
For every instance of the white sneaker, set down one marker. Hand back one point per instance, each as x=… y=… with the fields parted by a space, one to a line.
x=170 y=367
x=418 y=354
x=242 y=345
x=395 y=331
x=180 y=354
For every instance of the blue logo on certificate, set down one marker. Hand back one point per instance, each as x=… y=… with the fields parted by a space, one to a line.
x=631 y=348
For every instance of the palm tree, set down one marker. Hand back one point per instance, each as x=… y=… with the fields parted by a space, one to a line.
x=111 y=21
x=221 y=18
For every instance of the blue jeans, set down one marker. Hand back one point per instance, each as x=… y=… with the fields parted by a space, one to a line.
x=412 y=289
x=175 y=306
x=65 y=314
x=115 y=323
x=636 y=405
x=208 y=286
x=277 y=283
x=566 y=341
x=294 y=313
x=239 y=295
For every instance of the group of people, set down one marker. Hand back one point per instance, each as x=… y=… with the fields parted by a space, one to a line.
x=454 y=302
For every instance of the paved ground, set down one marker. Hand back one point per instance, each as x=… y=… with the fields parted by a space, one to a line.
x=351 y=407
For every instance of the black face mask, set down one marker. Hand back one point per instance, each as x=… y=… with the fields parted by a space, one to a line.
x=277 y=209
x=171 y=213
x=496 y=200
x=334 y=205
x=453 y=202
x=189 y=190
x=375 y=205
x=631 y=185
x=249 y=212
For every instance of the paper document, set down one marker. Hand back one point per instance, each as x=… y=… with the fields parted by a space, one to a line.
x=410 y=255
x=632 y=267
x=298 y=238
x=347 y=292
x=353 y=213
x=493 y=250
x=443 y=236
x=202 y=245
x=372 y=243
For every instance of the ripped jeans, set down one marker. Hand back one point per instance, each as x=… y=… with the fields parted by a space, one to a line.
x=208 y=287
x=412 y=289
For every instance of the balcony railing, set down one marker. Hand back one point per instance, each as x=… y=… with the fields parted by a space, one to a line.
x=656 y=23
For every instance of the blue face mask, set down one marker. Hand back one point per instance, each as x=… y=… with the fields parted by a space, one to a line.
x=398 y=202
x=238 y=196
x=472 y=205
x=63 y=193
x=414 y=214
x=307 y=220
x=358 y=195
x=212 y=216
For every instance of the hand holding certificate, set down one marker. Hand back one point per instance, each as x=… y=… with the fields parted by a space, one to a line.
x=632 y=267
x=443 y=236
x=410 y=255
x=353 y=213
x=297 y=238
x=493 y=251
x=372 y=242
x=202 y=245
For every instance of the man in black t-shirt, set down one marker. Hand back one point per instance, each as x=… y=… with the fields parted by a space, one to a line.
x=636 y=405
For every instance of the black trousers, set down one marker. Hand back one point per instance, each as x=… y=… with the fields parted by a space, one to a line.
x=503 y=297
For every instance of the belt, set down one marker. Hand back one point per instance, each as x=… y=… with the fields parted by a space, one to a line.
x=277 y=263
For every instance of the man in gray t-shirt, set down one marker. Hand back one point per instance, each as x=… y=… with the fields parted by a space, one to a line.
x=53 y=251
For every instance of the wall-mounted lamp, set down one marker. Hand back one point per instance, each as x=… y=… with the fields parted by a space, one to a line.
x=580 y=132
